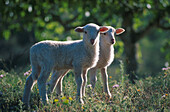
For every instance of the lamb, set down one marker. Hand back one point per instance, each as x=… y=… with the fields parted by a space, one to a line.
x=106 y=57
x=47 y=56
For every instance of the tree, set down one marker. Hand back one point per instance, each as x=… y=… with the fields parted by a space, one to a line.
x=157 y=12
x=39 y=20
x=138 y=18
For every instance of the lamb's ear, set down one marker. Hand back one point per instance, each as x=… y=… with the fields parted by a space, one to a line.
x=103 y=29
x=119 y=31
x=79 y=29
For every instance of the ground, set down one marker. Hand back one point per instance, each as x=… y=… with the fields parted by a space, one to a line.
x=148 y=94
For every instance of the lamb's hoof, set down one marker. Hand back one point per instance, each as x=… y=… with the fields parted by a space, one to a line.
x=109 y=95
x=81 y=101
x=26 y=106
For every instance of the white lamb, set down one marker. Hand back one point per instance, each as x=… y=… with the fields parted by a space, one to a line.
x=47 y=56
x=106 y=57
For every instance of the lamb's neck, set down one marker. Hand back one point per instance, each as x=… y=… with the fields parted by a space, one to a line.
x=92 y=50
x=107 y=48
x=106 y=51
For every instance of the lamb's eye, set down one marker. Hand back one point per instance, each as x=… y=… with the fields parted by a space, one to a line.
x=104 y=33
x=85 y=32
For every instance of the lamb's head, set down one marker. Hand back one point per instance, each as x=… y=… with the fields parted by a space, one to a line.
x=91 y=32
x=108 y=37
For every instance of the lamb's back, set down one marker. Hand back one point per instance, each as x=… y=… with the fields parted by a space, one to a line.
x=60 y=55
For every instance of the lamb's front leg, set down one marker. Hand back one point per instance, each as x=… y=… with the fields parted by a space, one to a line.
x=42 y=84
x=79 y=80
x=85 y=82
x=105 y=81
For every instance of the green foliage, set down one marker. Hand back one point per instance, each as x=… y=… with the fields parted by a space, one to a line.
x=6 y=34
x=151 y=48
x=149 y=94
x=119 y=48
x=23 y=23
x=69 y=14
x=166 y=49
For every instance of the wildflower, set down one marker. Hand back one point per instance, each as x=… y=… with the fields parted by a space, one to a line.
x=165 y=68
x=166 y=64
x=89 y=86
x=115 y=86
x=56 y=100
x=30 y=70
x=138 y=90
x=65 y=101
x=26 y=73
x=70 y=99
x=89 y=99
x=125 y=97
x=139 y=108
x=1 y=76
x=110 y=77
x=164 y=95
x=82 y=107
x=63 y=98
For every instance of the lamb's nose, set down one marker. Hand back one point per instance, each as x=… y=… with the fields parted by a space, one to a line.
x=112 y=41
x=92 y=41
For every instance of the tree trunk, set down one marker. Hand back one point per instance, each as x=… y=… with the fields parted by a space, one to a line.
x=131 y=60
x=128 y=39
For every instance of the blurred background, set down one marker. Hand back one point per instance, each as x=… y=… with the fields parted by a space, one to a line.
x=144 y=47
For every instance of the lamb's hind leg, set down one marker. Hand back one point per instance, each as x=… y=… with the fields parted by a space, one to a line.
x=59 y=83
x=56 y=81
x=30 y=81
x=105 y=81
x=79 y=80
x=45 y=72
x=53 y=81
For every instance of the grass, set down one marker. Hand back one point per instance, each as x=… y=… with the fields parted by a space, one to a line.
x=148 y=94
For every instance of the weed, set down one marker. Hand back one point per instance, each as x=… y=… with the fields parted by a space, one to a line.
x=148 y=94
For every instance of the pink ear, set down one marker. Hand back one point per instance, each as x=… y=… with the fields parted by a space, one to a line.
x=119 y=31
x=103 y=29
x=79 y=29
